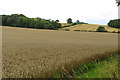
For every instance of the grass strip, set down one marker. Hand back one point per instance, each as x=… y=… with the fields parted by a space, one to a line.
x=107 y=68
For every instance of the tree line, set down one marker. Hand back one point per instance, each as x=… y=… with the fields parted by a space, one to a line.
x=114 y=23
x=20 y=20
x=69 y=20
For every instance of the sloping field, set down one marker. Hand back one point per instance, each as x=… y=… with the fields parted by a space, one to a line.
x=64 y=24
x=89 y=27
x=31 y=53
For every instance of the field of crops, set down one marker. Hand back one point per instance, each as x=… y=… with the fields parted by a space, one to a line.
x=31 y=53
x=106 y=67
x=88 y=27
x=64 y=24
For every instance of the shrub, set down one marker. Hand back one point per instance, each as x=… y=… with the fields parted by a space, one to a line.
x=67 y=26
x=118 y=32
x=67 y=30
x=76 y=30
x=73 y=24
x=101 y=29
x=90 y=31
x=113 y=32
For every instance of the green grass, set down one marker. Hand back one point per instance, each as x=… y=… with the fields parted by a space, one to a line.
x=100 y=69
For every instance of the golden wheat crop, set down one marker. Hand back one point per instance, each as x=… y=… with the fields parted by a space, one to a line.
x=88 y=27
x=64 y=24
x=31 y=53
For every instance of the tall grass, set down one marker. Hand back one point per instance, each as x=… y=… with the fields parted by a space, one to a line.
x=105 y=68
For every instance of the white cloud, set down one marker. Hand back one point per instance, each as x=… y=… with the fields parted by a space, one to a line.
x=84 y=10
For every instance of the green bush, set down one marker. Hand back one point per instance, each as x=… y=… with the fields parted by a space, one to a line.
x=66 y=25
x=90 y=31
x=66 y=29
x=118 y=32
x=76 y=30
x=101 y=29
x=73 y=24
x=113 y=32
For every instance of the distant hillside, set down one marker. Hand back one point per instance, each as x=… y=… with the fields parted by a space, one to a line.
x=87 y=27
x=64 y=24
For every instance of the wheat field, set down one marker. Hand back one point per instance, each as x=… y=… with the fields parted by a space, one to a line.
x=88 y=27
x=31 y=53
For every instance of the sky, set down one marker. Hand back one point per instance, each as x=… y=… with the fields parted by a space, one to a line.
x=90 y=11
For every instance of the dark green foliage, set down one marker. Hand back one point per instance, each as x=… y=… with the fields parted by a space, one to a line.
x=57 y=21
x=20 y=20
x=84 y=68
x=72 y=24
x=77 y=21
x=114 y=32
x=101 y=29
x=66 y=29
x=69 y=20
x=76 y=30
x=118 y=32
x=114 y=23
x=67 y=26
x=83 y=23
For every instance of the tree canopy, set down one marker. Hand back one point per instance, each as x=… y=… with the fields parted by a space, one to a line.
x=114 y=23
x=20 y=20
x=69 y=20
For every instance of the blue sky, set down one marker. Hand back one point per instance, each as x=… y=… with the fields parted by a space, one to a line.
x=90 y=11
